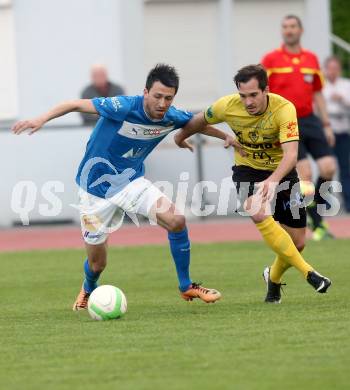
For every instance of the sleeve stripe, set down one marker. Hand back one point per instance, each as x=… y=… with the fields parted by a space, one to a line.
x=290 y=140
x=287 y=69
x=205 y=117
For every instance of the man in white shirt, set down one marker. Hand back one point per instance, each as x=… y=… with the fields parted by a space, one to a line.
x=337 y=95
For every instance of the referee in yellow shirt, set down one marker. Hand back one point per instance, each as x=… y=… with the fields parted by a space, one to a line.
x=264 y=173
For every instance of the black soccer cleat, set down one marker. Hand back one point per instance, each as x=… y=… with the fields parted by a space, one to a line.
x=273 y=294
x=318 y=282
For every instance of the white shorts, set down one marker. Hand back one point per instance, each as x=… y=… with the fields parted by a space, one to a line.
x=99 y=216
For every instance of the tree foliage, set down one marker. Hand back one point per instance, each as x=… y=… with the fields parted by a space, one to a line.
x=340 y=18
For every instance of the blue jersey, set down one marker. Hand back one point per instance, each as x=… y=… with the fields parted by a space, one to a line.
x=121 y=140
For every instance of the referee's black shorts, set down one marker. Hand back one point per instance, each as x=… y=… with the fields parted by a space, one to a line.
x=288 y=206
x=312 y=139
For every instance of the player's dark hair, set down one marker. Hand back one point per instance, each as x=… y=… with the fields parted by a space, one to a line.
x=166 y=74
x=295 y=17
x=249 y=72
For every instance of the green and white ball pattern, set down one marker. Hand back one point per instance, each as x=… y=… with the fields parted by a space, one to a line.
x=107 y=303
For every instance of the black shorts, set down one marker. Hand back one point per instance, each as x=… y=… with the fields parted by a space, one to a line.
x=288 y=206
x=312 y=138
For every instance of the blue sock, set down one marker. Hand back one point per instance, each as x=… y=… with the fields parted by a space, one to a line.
x=180 y=249
x=91 y=278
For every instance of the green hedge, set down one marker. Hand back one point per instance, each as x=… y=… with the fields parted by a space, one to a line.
x=341 y=18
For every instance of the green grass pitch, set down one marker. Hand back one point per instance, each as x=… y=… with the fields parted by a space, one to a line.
x=164 y=342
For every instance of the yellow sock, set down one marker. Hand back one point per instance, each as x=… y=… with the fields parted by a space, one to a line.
x=277 y=269
x=281 y=243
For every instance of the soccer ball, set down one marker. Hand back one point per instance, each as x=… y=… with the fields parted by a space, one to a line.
x=307 y=188
x=107 y=303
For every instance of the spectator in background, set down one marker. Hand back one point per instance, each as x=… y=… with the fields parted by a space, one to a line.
x=337 y=95
x=294 y=73
x=100 y=87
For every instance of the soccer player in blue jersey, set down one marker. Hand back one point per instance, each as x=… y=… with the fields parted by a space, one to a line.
x=111 y=175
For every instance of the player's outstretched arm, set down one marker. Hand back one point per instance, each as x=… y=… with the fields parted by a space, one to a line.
x=195 y=125
x=229 y=140
x=78 y=105
x=198 y=124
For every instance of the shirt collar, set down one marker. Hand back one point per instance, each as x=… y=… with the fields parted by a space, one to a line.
x=284 y=50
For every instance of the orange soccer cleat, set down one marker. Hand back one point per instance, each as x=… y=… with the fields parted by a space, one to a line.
x=208 y=295
x=81 y=302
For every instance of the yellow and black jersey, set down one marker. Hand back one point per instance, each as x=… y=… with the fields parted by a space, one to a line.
x=260 y=135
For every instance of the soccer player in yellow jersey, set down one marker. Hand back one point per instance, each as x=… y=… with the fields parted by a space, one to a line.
x=264 y=173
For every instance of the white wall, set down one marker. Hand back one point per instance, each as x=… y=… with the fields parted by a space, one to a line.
x=184 y=34
x=49 y=155
x=47 y=46
x=187 y=34
x=57 y=42
x=257 y=27
x=8 y=74
x=317 y=21
x=132 y=41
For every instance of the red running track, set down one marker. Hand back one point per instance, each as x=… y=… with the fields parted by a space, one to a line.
x=21 y=239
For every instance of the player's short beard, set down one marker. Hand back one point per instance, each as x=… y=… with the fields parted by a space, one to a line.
x=293 y=41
